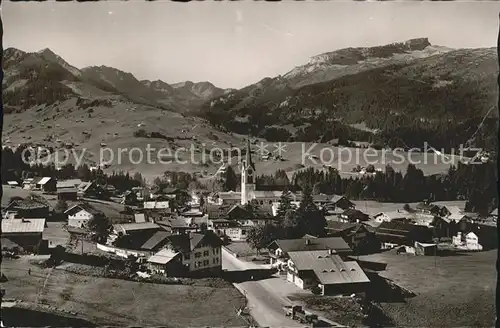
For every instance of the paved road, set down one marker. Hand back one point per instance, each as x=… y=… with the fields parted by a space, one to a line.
x=265 y=305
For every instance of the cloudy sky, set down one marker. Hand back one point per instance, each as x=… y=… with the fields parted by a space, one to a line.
x=233 y=44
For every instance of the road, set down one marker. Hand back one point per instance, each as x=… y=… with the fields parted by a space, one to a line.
x=264 y=302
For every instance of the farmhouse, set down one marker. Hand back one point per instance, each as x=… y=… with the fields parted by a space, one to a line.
x=401 y=233
x=327 y=271
x=156 y=205
x=280 y=248
x=177 y=226
x=477 y=237
x=28 y=208
x=341 y=202
x=79 y=215
x=189 y=254
x=132 y=235
x=353 y=215
x=389 y=216
x=46 y=184
x=428 y=208
x=357 y=235
x=29 y=184
x=28 y=233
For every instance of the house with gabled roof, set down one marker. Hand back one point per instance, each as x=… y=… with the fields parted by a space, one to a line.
x=327 y=271
x=279 y=249
x=342 y=202
x=46 y=184
x=190 y=254
x=28 y=208
x=80 y=214
x=27 y=233
x=358 y=236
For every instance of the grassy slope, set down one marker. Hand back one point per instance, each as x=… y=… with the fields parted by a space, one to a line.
x=452 y=291
x=124 y=302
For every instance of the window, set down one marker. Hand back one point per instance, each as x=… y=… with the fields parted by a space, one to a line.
x=199 y=264
x=206 y=262
x=216 y=251
x=243 y=232
x=206 y=253
x=197 y=254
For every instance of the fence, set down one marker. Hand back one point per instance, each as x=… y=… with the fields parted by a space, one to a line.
x=125 y=253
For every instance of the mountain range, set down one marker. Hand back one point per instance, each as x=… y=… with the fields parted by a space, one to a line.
x=400 y=94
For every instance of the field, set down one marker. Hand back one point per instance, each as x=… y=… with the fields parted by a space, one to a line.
x=451 y=291
x=372 y=207
x=118 y=302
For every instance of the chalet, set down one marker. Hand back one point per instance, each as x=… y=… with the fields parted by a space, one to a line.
x=357 y=235
x=190 y=254
x=326 y=270
x=28 y=208
x=79 y=215
x=477 y=237
x=389 y=216
x=428 y=208
x=400 y=233
x=27 y=233
x=280 y=248
x=342 y=202
x=353 y=215
x=91 y=190
x=71 y=183
x=67 y=194
x=170 y=192
x=46 y=184
x=322 y=199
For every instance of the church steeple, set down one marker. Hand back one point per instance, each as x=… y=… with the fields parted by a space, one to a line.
x=247 y=176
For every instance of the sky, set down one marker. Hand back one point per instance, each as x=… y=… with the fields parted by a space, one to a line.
x=234 y=44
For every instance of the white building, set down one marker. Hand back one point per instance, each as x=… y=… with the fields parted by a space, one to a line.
x=79 y=215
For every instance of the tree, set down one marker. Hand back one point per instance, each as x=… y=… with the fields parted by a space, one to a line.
x=291 y=225
x=307 y=201
x=285 y=203
x=230 y=179
x=260 y=236
x=101 y=227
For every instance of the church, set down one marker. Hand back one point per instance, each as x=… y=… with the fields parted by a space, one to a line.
x=248 y=188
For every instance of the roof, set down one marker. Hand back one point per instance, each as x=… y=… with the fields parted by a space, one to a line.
x=425 y=206
x=71 y=183
x=357 y=214
x=336 y=198
x=398 y=214
x=128 y=227
x=230 y=195
x=340 y=226
x=322 y=198
x=188 y=242
x=494 y=212
x=84 y=186
x=329 y=269
x=157 y=238
x=67 y=190
x=22 y=225
x=12 y=183
x=163 y=257
x=82 y=207
x=267 y=194
x=44 y=180
x=27 y=204
x=295 y=245
x=139 y=217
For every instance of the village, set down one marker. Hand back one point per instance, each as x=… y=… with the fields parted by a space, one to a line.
x=173 y=235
